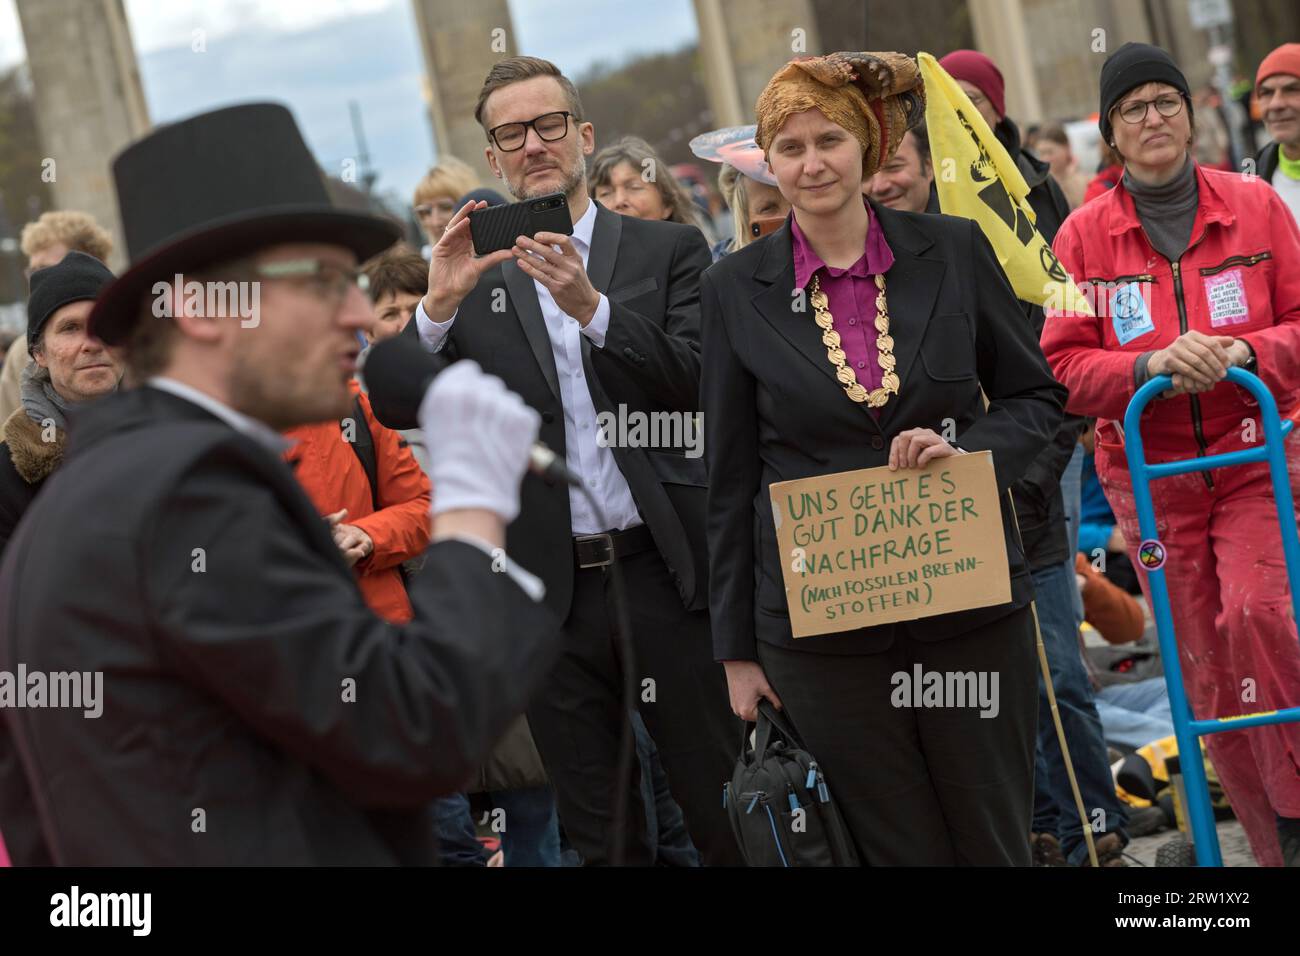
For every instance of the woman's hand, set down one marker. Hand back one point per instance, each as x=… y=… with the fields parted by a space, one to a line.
x=1197 y=362
x=917 y=447
x=747 y=685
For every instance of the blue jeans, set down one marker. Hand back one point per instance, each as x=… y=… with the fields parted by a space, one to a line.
x=531 y=836
x=532 y=833
x=1133 y=715
x=454 y=824
x=1054 y=808
x=1071 y=490
x=665 y=825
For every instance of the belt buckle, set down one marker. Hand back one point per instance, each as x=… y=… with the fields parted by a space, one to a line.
x=608 y=559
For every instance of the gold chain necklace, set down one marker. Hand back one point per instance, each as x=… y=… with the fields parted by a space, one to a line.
x=884 y=348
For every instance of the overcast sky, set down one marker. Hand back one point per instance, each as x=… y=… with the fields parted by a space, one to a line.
x=317 y=55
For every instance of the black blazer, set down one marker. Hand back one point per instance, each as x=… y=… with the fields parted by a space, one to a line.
x=223 y=683
x=773 y=410
x=650 y=272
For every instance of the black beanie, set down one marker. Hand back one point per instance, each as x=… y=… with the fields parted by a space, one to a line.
x=76 y=278
x=489 y=196
x=1131 y=66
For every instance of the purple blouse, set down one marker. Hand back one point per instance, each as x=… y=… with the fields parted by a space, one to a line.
x=851 y=297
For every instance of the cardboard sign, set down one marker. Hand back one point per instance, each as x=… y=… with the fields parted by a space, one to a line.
x=868 y=547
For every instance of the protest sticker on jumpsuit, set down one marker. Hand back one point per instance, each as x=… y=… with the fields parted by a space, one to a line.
x=1226 y=295
x=1129 y=314
x=873 y=546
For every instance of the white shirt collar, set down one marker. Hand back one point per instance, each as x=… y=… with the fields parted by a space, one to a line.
x=583 y=228
x=240 y=422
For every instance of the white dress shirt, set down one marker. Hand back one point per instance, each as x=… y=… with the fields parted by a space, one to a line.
x=583 y=454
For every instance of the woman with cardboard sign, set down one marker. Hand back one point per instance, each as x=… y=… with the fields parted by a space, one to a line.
x=857 y=336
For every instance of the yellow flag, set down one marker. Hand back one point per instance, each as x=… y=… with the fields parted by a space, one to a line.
x=976 y=178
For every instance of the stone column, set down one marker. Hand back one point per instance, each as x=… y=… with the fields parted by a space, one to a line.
x=1000 y=34
x=461 y=42
x=89 y=101
x=743 y=42
x=1051 y=51
x=719 y=71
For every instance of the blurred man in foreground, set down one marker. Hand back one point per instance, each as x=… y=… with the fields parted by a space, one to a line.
x=229 y=697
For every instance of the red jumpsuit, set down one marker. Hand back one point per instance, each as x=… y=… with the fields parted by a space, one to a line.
x=1239 y=277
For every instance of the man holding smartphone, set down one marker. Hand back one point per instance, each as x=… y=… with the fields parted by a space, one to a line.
x=601 y=323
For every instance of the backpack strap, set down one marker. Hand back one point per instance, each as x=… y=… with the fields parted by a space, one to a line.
x=363 y=446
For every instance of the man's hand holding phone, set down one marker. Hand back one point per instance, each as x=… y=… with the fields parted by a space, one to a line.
x=563 y=273
x=453 y=269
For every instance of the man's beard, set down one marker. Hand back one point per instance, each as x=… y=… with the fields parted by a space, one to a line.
x=269 y=396
x=573 y=178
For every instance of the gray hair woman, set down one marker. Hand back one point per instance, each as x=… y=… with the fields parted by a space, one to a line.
x=629 y=178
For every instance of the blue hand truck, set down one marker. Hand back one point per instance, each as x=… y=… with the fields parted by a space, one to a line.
x=1187 y=729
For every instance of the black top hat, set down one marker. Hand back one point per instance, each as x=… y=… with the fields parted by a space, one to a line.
x=215 y=187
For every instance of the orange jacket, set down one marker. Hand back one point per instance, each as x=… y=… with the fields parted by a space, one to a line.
x=333 y=477
x=1111 y=610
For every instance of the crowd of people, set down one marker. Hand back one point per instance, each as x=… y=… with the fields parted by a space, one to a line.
x=336 y=632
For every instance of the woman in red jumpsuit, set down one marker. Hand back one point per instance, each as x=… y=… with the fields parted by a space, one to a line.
x=1192 y=271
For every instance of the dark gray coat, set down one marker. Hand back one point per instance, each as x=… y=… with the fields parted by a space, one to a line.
x=224 y=689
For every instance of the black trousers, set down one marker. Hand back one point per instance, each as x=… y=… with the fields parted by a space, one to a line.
x=577 y=718
x=922 y=786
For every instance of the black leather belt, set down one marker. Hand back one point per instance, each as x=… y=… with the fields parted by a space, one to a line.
x=599 y=550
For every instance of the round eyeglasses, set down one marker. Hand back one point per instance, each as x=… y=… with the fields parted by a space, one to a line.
x=1167 y=105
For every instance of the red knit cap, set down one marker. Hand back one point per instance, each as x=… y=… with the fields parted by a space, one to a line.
x=977 y=69
x=1285 y=59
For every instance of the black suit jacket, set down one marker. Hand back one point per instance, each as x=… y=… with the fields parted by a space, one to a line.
x=773 y=410
x=650 y=363
x=183 y=561
x=1040 y=509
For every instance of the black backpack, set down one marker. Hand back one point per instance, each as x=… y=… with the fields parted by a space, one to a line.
x=779 y=805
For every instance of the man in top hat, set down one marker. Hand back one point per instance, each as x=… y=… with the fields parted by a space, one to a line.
x=231 y=700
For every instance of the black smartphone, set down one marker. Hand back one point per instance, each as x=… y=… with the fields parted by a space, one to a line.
x=497 y=227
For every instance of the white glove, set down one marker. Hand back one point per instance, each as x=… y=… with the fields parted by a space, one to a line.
x=478 y=434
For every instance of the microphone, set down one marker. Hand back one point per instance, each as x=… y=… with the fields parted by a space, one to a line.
x=398 y=371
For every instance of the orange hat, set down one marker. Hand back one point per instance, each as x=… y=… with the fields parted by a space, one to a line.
x=1285 y=59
